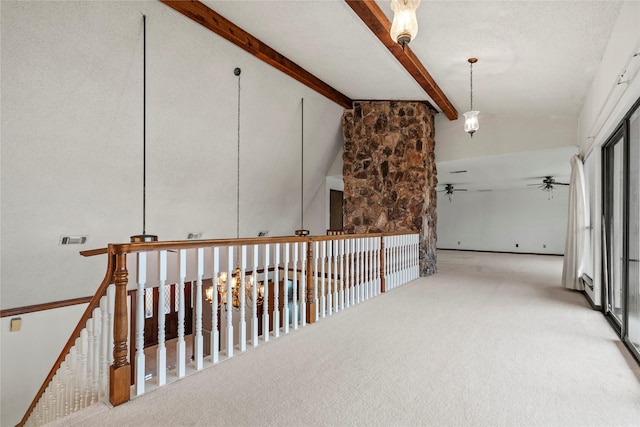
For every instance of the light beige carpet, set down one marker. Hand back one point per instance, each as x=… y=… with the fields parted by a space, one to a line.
x=490 y=340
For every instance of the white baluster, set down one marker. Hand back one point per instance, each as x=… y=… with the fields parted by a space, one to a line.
x=285 y=284
x=315 y=277
x=265 y=301
x=366 y=269
x=229 y=308
x=215 y=333
x=254 y=298
x=347 y=273
x=82 y=374
x=295 y=286
x=358 y=266
x=302 y=297
x=276 y=291
x=89 y=353
x=141 y=273
x=336 y=299
x=241 y=282
x=352 y=271
x=323 y=261
x=161 y=351
x=68 y=383
x=372 y=288
x=198 y=343
x=55 y=383
x=329 y=278
x=341 y=255
x=181 y=348
x=97 y=326
x=377 y=255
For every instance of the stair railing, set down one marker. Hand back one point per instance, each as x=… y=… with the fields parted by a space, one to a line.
x=273 y=285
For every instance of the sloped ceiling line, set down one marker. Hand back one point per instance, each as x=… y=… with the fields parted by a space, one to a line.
x=215 y=22
x=374 y=18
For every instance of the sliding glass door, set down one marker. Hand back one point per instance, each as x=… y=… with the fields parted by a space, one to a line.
x=633 y=268
x=621 y=228
x=614 y=226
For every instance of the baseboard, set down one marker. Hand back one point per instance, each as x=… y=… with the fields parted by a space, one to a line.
x=497 y=252
x=591 y=303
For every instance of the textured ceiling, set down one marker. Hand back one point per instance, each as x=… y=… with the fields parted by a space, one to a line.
x=535 y=57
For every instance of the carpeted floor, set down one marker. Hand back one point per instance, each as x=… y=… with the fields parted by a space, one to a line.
x=490 y=340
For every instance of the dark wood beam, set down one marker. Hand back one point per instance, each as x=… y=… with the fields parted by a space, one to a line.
x=206 y=17
x=374 y=18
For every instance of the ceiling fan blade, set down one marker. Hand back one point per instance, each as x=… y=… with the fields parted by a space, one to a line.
x=560 y=183
x=460 y=189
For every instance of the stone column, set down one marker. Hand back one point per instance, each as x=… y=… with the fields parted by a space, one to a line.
x=390 y=173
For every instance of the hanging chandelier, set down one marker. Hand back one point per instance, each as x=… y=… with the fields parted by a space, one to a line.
x=223 y=290
x=471 y=123
x=405 y=25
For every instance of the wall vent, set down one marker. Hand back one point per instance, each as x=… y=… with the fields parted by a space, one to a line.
x=194 y=236
x=263 y=233
x=73 y=240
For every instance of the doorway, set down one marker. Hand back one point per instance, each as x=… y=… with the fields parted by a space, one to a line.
x=335 y=210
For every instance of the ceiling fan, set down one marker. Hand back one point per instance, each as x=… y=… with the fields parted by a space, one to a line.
x=450 y=190
x=547 y=185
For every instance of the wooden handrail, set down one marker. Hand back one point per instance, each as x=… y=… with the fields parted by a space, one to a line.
x=95 y=301
x=117 y=248
x=17 y=311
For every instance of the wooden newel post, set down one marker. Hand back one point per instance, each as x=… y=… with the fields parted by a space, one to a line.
x=120 y=372
x=311 y=304
x=383 y=286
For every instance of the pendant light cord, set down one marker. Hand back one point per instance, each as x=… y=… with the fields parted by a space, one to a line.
x=302 y=166
x=471 y=84
x=237 y=73
x=144 y=124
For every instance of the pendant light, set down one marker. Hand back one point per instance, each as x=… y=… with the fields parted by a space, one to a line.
x=471 y=123
x=144 y=237
x=405 y=24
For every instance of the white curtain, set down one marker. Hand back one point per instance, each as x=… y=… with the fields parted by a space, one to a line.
x=574 y=250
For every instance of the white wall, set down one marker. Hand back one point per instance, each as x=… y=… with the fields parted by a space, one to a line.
x=27 y=356
x=605 y=106
x=498 y=220
x=502 y=134
x=71 y=153
x=72 y=139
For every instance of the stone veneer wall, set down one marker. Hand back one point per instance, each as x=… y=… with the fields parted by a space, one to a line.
x=390 y=173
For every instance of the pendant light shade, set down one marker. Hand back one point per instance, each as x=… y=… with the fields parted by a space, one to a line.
x=471 y=123
x=405 y=25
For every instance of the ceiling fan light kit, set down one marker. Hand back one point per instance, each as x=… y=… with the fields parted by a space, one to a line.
x=405 y=24
x=471 y=123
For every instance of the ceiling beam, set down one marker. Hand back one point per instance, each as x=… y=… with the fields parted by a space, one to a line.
x=374 y=18
x=206 y=17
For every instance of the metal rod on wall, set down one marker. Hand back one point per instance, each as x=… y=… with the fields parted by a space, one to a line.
x=302 y=231
x=144 y=237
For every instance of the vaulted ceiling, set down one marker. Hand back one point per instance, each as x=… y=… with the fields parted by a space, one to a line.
x=535 y=57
